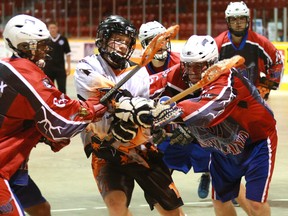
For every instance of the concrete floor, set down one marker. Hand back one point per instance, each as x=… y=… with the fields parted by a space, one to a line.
x=66 y=180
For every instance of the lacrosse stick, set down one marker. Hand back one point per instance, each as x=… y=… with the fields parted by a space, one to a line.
x=211 y=74
x=155 y=44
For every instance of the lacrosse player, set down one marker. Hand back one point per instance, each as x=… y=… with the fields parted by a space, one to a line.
x=177 y=157
x=230 y=119
x=263 y=61
x=31 y=107
x=116 y=161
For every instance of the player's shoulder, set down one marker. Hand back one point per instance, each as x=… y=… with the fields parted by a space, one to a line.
x=88 y=62
x=256 y=37
x=221 y=36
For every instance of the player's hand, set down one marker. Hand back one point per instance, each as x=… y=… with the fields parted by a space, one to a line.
x=55 y=146
x=264 y=92
x=181 y=135
x=98 y=108
x=137 y=110
x=159 y=135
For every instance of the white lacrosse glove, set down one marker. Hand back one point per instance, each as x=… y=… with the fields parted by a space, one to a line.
x=145 y=113
x=165 y=113
x=137 y=110
x=123 y=131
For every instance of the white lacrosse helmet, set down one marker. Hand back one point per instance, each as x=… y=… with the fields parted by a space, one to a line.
x=199 y=49
x=147 y=32
x=235 y=9
x=197 y=55
x=27 y=37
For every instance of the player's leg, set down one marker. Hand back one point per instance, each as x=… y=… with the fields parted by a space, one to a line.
x=242 y=201
x=116 y=202
x=157 y=183
x=31 y=199
x=115 y=187
x=224 y=208
x=226 y=177
x=41 y=209
x=258 y=176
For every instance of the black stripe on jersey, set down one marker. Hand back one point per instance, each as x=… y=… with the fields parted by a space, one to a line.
x=19 y=87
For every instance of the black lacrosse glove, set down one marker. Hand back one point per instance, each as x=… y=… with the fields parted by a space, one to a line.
x=115 y=97
x=123 y=131
x=181 y=135
x=159 y=135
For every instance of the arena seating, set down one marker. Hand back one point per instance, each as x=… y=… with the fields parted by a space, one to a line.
x=82 y=20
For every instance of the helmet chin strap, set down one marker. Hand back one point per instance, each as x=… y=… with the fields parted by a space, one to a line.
x=116 y=61
x=238 y=33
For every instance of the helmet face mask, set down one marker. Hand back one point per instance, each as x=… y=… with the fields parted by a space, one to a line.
x=25 y=35
x=197 y=55
x=237 y=16
x=147 y=32
x=109 y=32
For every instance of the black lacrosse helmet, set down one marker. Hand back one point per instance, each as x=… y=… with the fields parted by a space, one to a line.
x=119 y=25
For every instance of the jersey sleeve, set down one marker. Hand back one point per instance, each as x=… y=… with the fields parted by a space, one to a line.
x=54 y=114
x=210 y=106
x=274 y=67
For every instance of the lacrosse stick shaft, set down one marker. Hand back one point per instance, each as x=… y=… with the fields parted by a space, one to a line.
x=119 y=84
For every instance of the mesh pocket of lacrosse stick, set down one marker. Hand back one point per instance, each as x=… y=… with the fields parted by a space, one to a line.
x=164 y=114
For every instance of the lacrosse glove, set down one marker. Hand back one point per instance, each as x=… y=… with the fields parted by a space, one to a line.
x=137 y=110
x=123 y=131
x=144 y=112
x=181 y=135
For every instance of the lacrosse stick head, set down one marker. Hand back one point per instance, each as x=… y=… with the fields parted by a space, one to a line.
x=154 y=45
x=150 y=30
x=164 y=114
x=220 y=68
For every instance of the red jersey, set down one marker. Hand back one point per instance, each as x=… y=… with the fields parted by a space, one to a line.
x=229 y=116
x=172 y=59
x=46 y=111
x=259 y=53
x=168 y=83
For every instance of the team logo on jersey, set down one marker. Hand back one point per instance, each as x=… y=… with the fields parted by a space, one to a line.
x=47 y=83
x=60 y=102
x=61 y=42
x=2 y=86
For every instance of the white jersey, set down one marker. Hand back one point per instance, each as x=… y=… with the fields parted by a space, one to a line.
x=93 y=73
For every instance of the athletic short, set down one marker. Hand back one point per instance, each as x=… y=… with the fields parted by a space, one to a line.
x=9 y=204
x=183 y=157
x=28 y=195
x=155 y=181
x=257 y=168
